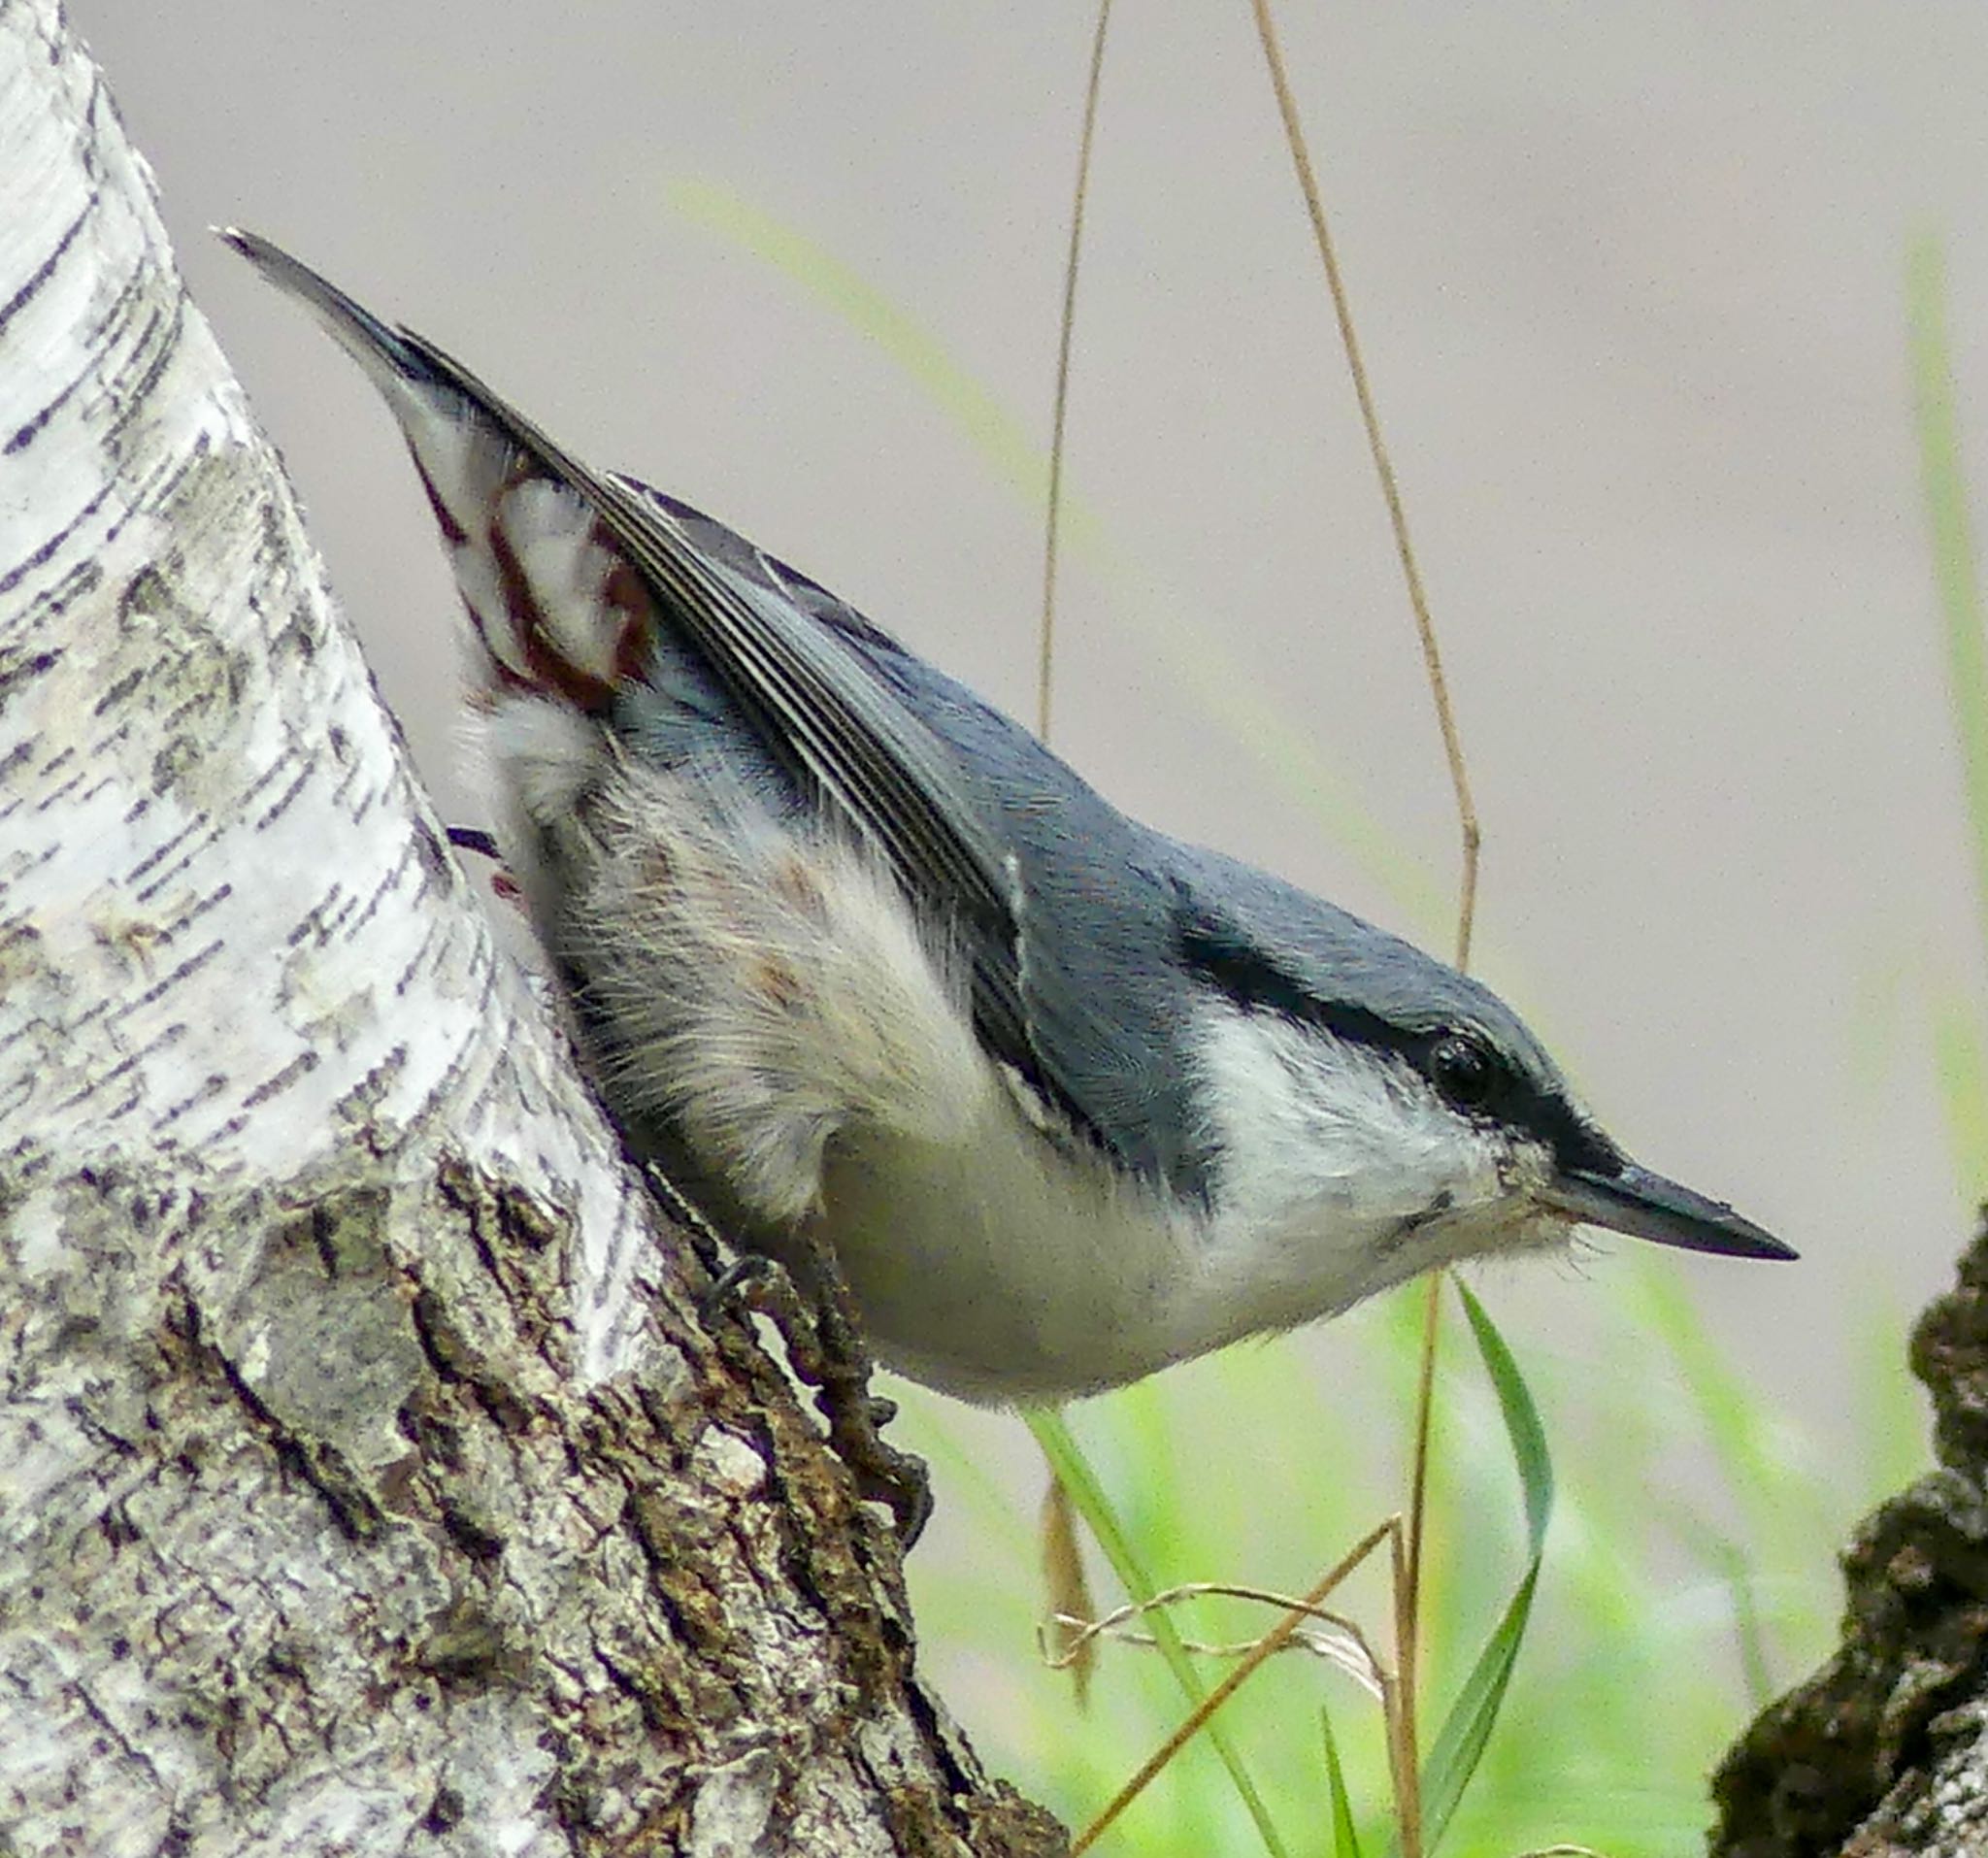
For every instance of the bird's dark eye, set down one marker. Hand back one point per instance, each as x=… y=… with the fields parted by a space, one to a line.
x=1462 y=1069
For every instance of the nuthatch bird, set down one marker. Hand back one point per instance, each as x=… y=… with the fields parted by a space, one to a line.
x=864 y=966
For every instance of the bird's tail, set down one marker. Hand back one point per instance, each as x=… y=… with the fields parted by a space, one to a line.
x=554 y=607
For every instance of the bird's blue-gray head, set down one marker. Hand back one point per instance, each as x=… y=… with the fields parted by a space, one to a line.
x=1354 y=1086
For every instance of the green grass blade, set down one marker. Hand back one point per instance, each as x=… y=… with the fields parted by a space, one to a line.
x=1465 y=1731
x=1346 y=1836
x=1066 y=1458
x=1945 y=483
x=1468 y=1727
x=1522 y=1427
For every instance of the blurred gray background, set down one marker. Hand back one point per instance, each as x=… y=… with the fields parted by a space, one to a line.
x=1630 y=284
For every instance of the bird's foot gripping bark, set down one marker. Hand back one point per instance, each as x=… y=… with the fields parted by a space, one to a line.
x=827 y=1350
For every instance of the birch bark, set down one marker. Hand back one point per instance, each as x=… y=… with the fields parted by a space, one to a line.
x=368 y=1481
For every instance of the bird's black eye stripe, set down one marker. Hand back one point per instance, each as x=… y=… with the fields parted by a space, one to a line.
x=1472 y=1074
x=1461 y=1064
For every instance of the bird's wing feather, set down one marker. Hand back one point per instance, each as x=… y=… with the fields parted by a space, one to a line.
x=820 y=712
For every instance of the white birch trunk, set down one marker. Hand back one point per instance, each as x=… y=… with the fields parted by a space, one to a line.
x=367 y=1482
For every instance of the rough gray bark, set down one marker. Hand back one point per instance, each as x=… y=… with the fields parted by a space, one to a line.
x=1884 y=1752
x=368 y=1480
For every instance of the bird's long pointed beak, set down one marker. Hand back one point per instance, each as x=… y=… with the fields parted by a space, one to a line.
x=1646 y=1206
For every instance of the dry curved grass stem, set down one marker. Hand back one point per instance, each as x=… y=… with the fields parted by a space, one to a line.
x=1293 y=1621
x=1343 y=1645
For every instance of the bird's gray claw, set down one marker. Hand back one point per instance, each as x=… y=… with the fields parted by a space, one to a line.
x=825 y=1350
x=897 y=1480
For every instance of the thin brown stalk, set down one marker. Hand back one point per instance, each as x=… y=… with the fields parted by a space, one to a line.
x=1264 y=1648
x=1408 y=1595
x=1402 y=1754
x=1397 y=514
x=1052 y=526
